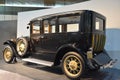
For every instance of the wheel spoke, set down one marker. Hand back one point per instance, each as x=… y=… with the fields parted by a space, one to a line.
x=75 y=60
x=67 y=66
x=67 y=61
x=78 y=67
x=70 y=71
x=77 y=70
x=71 y=58
x=74 y=72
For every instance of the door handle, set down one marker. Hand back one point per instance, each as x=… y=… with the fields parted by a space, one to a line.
x=43 y=37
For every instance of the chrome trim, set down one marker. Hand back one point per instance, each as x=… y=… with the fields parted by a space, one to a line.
x=37 y=61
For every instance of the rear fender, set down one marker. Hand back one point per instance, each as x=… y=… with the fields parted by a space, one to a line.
x=63 y=50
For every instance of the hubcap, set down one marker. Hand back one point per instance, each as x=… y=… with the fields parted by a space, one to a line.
x=7 y=54
x=72 y=65
x=21 y=47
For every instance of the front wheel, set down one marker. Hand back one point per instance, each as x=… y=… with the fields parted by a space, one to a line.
x=73 y=65
x=8 y=54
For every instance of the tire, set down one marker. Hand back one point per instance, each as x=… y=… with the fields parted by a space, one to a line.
x=22 y=46
x=8 y=54
x=73 y=65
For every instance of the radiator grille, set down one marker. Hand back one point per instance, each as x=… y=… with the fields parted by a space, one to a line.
x=98 y=42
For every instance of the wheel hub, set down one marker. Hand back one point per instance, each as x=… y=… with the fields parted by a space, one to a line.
x=22 y=47
x=7 y=55
x=73 y=65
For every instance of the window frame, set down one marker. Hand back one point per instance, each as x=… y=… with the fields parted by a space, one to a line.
x=68 y=15
x=94 y=15
x=103 y=25
x=49 y=30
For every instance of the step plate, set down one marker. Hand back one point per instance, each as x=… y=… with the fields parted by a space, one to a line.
x=37 y=61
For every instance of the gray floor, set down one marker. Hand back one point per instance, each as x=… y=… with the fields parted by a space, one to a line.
x=39 y=72
x=11 y=76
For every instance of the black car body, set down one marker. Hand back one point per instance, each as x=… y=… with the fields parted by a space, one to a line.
x=76 y=36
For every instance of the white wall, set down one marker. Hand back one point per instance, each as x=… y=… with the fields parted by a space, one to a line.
x=109 y=8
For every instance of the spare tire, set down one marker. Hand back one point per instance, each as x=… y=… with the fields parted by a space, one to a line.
x=22 y=46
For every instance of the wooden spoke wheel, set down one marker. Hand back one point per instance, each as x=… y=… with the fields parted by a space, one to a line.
x=8 y=54
x=22 y=47
x=73 y=65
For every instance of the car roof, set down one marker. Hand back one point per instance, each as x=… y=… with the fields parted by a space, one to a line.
x=64 y=13
x=58 y=14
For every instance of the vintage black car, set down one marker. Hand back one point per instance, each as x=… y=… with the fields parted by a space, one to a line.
x=73 y=39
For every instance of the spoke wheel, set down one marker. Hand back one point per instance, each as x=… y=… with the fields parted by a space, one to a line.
x=22 y=47
x=73 y=65
x=8 y=54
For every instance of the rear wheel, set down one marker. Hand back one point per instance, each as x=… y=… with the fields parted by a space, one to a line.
x=8 y=54
x=73 y=65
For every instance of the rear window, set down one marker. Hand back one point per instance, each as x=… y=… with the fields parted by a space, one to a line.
x=99 y=24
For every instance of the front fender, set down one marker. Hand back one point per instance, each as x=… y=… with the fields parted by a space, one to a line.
x=9 y=42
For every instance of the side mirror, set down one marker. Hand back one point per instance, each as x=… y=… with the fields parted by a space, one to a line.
x=28 y=25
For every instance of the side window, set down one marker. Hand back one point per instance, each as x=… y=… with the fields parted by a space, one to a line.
x=36 y=27
x=49 y=25
x=73 y=27
x=46 y=26
x=99 y=24
x=69 y=24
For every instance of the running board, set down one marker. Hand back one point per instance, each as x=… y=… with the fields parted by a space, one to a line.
x=37 y=61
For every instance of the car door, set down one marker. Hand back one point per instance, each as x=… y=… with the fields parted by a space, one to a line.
x=36 y=35
x=51 y=42
x=46 y=43
x=41 y=42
